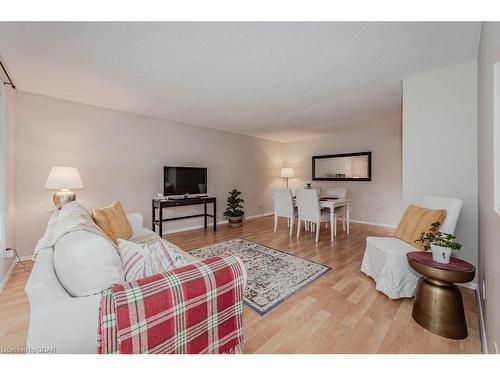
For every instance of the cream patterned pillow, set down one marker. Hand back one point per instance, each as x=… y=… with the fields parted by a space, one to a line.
x=165 y=256
x=136 y=261
x=143 y=260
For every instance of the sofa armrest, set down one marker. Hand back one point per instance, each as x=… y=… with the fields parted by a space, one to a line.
x=69 y=326
x=207 y=297
x=136 y=221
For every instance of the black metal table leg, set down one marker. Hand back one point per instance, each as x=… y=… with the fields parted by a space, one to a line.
x=215 y=217
x=205 y=214
x=153 y=216
x=160 y=223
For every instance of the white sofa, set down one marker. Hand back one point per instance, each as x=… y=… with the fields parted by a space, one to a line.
x=385 y=257
x=59 y=322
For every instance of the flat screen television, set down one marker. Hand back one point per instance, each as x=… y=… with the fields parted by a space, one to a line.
x=184 y=180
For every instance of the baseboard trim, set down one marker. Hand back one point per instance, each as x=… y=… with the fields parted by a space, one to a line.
x=482 y=328
x=373 y=223
x=185 y=229
x=259 y=215
x=220 y=222
x=471 y=285
x=7 y=275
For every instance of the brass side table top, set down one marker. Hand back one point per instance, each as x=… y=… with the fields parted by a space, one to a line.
x=438 y=304
x=457 y=271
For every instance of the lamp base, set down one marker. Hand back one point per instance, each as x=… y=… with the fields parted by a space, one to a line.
x=62 y=197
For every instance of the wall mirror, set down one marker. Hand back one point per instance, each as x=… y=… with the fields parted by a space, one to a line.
x=342 y=167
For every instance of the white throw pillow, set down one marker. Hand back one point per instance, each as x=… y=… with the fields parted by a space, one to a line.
x=142 y=260
x=86 y=263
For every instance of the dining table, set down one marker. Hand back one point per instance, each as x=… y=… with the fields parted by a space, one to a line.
x=331 y=204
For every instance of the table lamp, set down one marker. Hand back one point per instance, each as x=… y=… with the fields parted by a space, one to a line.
x=287 y=173
x=63 y=178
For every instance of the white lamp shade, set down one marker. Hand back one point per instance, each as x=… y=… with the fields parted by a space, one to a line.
x=287 y=172
x=64 y=178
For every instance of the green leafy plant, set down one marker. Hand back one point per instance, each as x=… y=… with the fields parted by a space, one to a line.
x=435 y=237
x=234 y=204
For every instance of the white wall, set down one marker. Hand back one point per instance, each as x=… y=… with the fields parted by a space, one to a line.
x=489 y=220
x=376 y=201
x=121 y=156
x=7 y=160
x=10 y=164
x=440 y=143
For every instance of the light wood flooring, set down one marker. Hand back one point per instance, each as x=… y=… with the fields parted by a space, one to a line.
x=341 y=312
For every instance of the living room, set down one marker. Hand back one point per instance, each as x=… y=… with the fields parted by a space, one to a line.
x=301 y=164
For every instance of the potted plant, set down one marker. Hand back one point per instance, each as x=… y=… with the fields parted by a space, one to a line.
x=233 y=211
x=441 y=244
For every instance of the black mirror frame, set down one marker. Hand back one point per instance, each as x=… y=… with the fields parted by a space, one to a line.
x=369 y=178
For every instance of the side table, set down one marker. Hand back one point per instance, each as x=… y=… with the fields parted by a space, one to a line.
x=438 y=304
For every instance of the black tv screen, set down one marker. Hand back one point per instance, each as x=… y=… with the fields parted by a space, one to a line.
x=184 y=180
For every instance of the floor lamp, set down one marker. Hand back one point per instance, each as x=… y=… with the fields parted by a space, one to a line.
x=287 y=173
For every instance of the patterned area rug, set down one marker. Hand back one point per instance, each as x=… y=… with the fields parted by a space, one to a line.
x=273 y=275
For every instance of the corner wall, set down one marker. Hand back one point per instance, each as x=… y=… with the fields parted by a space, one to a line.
x=440 y=144
x=8 y=153
x=489 y=220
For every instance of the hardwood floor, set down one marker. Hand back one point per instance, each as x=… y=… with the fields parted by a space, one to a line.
x=14 y=311
x=341 y=312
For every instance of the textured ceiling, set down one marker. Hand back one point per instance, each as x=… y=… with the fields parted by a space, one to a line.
x=281 y=81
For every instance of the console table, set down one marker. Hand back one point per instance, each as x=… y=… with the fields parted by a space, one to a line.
x=159 y=205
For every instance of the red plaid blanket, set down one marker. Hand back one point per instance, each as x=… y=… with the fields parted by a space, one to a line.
x=197 y=308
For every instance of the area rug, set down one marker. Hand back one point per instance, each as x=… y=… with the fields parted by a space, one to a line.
x=273 y=275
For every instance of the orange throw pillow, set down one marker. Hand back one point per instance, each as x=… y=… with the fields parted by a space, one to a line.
x=415 y=221
x=113 y=222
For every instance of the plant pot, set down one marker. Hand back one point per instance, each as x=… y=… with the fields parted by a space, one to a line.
x=440 y=254
x=235 y=221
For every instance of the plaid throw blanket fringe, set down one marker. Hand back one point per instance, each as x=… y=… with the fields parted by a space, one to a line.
x=197 y=308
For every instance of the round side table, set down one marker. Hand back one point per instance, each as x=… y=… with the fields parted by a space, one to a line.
x=438 y=304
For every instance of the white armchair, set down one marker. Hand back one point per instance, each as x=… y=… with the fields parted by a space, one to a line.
x=385 y=257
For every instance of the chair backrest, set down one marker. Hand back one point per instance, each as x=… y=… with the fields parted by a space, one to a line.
x=452 y=207
x=338 y=192
x=283 y=202
x=308 y=204
x=317 y=188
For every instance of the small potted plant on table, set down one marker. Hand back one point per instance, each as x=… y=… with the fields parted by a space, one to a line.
x=441 y=244
x=233 y=211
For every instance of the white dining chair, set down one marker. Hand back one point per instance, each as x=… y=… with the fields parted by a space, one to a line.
x=317 y=188
x=283 y=207
x=309 y=211
x=337 y=192
x=310 y=226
